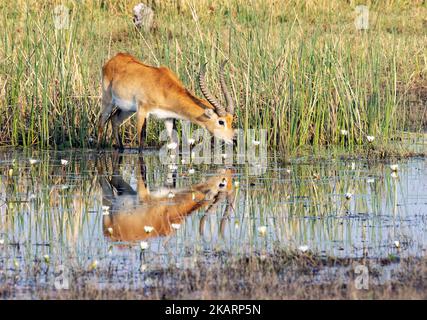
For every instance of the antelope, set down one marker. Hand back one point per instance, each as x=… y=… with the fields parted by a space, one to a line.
x=131 y=211
x=134 y=87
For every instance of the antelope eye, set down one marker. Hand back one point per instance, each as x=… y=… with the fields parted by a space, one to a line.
x=221 y=122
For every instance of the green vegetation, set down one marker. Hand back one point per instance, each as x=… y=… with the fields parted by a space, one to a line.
x=297 y=68
x=53 y=214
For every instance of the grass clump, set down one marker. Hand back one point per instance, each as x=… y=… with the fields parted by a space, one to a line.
x=299 y=69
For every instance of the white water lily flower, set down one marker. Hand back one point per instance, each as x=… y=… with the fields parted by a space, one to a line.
x=172 y=145
x=262 y=230
x=348 y=195
x=256 y=142
x=143 y=245
x=171 y=195
x=191 y=171
x=176 y=226
x=148 y=229
x=143 y=267
x=394 y=175
x=344 y=132
x=110 y=230
x=46 y=258
x=64 y=162
x=397 y=244
x=394 y=167
x=303 y=248
x=34 y=161
x=370 y=138
x=191 y=141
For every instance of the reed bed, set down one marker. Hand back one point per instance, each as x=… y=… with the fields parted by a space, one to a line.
x=299 y=69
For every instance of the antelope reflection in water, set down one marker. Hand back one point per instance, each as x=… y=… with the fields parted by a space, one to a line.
x=131 y=211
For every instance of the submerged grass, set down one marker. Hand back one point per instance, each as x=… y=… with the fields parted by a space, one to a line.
x=299 y=69
x=55 y=210
x=284 y=275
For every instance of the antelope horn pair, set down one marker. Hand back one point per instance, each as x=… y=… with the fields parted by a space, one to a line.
x=220 y=110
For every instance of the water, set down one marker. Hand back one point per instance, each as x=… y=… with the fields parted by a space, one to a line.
x=97 y=209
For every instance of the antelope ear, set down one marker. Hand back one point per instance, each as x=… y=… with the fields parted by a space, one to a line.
x=209 y=113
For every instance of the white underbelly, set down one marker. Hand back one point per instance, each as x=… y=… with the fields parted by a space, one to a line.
x=125 y=105
x=164 y=114
x=130 y=105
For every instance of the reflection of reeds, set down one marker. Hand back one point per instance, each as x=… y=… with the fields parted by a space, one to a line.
x=301 y=71
x=303 y=206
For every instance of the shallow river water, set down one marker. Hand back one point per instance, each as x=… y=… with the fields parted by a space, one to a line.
x=100 y=209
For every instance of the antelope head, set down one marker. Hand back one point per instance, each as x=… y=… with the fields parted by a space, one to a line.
x=220 y=119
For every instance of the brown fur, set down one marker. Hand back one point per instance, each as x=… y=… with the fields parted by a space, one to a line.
x=153 y=88
x=127 y=221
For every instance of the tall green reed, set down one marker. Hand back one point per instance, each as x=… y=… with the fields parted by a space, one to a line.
x=301 y=71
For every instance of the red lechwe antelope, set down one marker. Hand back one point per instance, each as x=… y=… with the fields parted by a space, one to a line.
x=132 y=211
x=131 y=86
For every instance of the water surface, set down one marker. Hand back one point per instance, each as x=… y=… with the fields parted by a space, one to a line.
x=101 y=207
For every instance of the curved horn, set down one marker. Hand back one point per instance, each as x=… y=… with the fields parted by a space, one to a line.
x=219 y=109
x=227 y=96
